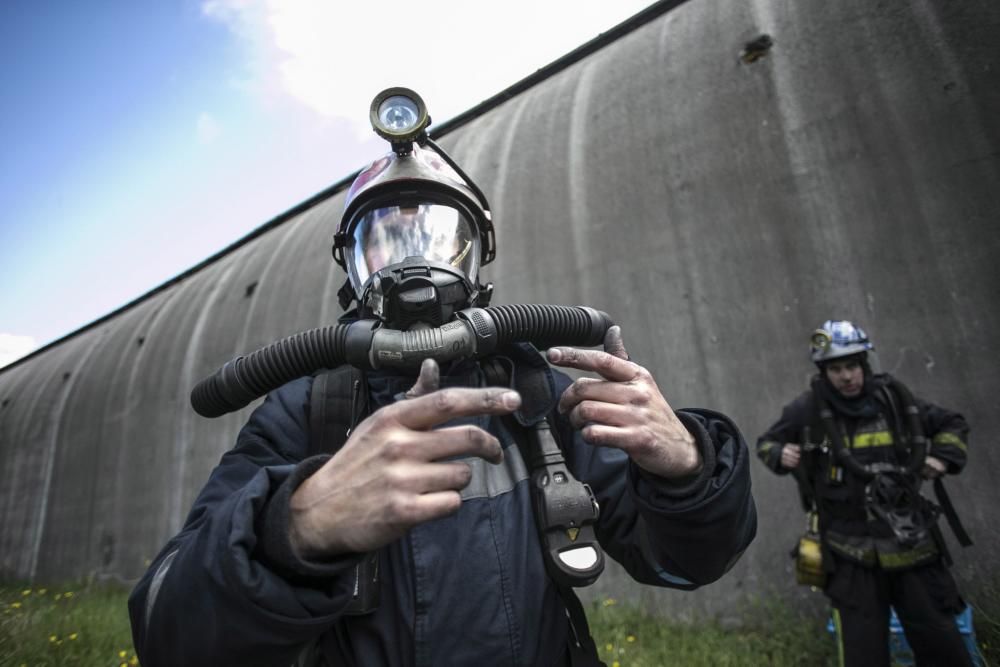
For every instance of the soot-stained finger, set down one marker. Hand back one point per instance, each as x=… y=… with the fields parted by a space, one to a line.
x=428 y=381
x=604 y=364
x=613 y=343
x=596 y=412
x=426 y=412
x=460 y=441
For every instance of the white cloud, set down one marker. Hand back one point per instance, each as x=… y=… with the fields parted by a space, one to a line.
x=13 y=347
x=208 y=128
x=333 y=58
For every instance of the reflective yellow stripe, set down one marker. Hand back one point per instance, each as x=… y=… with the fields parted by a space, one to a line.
x=840 y=637
x=873 y=439
x=945 y=438
x=910 y=558
x=766 y=446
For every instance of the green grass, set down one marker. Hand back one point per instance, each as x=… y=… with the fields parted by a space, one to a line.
x=986 y=617
x=64 y=626
x=771 y=634
x=87 y=625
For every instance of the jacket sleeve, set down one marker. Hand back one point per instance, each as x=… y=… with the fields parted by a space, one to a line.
x=788 y=429
x=663 y=533
x=215 y=595
x=948 y=434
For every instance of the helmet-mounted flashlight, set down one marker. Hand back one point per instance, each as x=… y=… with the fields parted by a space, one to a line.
x=399 y=116
x=820 y=340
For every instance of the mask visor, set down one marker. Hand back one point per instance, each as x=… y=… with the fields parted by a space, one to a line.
x=385 y=236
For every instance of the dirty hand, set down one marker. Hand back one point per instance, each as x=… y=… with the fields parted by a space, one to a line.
x=393 y=472
x=933 y=468
x=791 y=454
x=625 y=409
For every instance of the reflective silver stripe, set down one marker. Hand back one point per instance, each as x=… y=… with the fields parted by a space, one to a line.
x=154 y=587
x=491 y=480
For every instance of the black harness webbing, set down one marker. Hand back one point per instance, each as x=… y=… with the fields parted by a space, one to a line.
x=338 y=401
x=950 y=514
x=903 y=439
x=582 y=649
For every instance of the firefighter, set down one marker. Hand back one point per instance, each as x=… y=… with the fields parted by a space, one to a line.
x=860 y=446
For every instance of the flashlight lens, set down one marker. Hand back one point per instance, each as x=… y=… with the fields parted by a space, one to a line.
x=398 y=113
x=820 y=340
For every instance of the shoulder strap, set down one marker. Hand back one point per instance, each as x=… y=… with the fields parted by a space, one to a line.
x=950 y=514
x=582 y=650
x=337 y=401
x=896 y=418
x=530 y=378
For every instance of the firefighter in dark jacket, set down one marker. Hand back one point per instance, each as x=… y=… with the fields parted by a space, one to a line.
x=859 y=446
x=432 y=484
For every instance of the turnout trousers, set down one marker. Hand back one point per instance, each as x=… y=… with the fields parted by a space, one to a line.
x=926 y=600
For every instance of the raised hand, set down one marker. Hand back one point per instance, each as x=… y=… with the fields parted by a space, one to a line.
x=393 y=472
x=625 y=409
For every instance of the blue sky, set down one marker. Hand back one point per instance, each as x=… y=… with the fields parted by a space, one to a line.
x=140 y=138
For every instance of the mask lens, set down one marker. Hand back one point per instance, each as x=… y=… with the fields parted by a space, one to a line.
x=438 y=233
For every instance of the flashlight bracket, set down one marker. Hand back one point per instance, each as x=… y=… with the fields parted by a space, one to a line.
x=404 y=148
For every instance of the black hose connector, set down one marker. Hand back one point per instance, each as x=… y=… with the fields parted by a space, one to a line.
x=365 y=344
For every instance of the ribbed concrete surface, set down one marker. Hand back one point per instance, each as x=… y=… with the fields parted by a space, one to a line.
x=718 y=210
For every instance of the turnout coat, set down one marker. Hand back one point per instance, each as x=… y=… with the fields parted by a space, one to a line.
x=470 y=588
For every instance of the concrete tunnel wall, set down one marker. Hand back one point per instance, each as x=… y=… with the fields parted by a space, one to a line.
x=719 y=210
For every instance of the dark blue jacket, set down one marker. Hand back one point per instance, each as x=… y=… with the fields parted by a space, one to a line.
x=467 y=589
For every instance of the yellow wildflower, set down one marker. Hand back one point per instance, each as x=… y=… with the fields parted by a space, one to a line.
x=122 y=654
x=134 y=660
x=630 y=638
x=15 y=605
x=58 y=595
x=610 y=602
x=68 y=594
x=616 y=664
x=608 y=647
x=41 y=591
x=26 y=592
x=73 y=636
x=53 y=638
x=124 y=664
